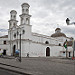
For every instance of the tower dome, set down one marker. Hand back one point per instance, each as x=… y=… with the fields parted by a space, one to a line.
x=57 y=29
x=12 y=21
x=25 y=4
x=13 y=11
x=58 y=33
x=13 y=14
x=25 y=8
x=25 y=17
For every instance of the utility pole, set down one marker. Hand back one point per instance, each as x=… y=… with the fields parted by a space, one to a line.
x=20 y=44
x=65 y=45
x=73 y=47
x=66 y=48
x=66 y=52
x=20 y=47
x=71 y=23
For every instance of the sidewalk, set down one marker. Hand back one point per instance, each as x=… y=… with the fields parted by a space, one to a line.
x=39 y=66
x=8 y=63
x=8 y=57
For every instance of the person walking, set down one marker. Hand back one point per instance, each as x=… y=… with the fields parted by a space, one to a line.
x=17 y=55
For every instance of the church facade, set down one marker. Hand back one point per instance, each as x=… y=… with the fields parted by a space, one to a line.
x=34 y=44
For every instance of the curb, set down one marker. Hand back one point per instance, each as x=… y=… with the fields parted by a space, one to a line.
x=10 y=65
x=8 y=57
x=73 y=58
x=15 y=71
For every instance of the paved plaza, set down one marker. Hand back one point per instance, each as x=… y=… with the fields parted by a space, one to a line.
x=40 y=65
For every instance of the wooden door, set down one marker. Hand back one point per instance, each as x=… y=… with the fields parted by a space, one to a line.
x=14 y=48
x=47 y=51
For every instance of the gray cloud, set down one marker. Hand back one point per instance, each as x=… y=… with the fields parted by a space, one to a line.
x=9 y=3
x=46 y=14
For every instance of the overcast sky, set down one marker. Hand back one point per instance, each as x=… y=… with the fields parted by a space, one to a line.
x=47 y=15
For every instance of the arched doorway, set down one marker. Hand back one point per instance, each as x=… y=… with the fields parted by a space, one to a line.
x=14 y=48
x=47 y=51
x=69 y=54
x=4 y=52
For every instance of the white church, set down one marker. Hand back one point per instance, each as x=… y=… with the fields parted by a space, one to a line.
x=37 y=45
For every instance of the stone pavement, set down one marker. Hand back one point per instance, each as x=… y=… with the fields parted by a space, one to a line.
x=40 y=65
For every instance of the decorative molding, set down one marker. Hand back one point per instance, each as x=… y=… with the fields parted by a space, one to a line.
x=34 y=42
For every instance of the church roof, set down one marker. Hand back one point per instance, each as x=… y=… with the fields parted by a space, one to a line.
x=58 y=35
x=25 y=4
x=13 y=11
x=5 y=36
x=57 y=29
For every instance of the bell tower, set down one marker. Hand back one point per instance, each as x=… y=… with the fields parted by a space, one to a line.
x=12 y=21
x=25 y=17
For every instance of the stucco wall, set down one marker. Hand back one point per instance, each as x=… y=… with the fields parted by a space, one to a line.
x=4 y=46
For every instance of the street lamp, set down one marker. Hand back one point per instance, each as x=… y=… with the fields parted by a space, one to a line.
x=72 y=23
x=66 y=49
x=68 y=22
x=20 y=47
x=20 y=42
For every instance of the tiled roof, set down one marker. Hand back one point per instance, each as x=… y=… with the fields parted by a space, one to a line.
x=58 y=35
x=57 y=29
x=5 y=36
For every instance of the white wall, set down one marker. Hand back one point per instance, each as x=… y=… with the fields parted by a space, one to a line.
x=4 y=46
x=34 y=49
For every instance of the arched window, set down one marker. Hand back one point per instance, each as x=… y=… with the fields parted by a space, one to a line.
x=17 y=33
x=14 y=16
x=23 y=10
x=14 y=24
x=23 y=31
x=59 y=44
x=22 y=20
x=5 y=42
x=27 y=20
x=10 y=24
x=11 y=16
x=14 y=35
x=26 y=10
x=46 y=42
x=63 y=52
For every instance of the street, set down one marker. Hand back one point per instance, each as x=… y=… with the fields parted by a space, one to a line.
x=41 y=66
